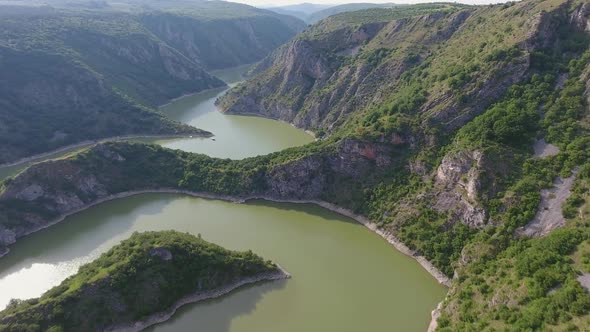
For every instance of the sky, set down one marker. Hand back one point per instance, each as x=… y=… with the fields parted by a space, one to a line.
x=275 y=3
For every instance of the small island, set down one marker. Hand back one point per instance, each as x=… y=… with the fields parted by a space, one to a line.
x=139 y=283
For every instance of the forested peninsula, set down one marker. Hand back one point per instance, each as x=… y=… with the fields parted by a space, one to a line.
x=138 y=283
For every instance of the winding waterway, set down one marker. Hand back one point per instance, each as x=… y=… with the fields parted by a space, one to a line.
x=345 y=278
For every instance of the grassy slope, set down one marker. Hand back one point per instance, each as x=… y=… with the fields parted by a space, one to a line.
x=130 y=282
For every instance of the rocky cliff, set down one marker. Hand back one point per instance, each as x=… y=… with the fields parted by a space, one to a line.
x=223 y=42
x=345 y=65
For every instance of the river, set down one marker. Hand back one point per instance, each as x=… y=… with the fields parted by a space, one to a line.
x=345 y=278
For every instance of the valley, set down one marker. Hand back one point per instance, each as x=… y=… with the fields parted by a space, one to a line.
x=71 y=76
x=449 y=129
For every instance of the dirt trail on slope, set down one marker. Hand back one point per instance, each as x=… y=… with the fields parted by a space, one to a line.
x=549 y=216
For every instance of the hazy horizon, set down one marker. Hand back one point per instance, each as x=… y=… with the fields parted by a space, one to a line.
x=279 y=3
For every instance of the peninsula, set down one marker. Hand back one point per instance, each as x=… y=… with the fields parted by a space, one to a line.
x=139 y=283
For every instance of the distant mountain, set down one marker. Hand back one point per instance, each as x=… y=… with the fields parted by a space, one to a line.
x=312 y=13
x=302 y=11
x=306 y=8
x=322 y=14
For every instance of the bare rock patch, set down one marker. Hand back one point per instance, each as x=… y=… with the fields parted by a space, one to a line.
x=549 y=215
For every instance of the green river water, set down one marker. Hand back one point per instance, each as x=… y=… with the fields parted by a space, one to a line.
x=345 y=278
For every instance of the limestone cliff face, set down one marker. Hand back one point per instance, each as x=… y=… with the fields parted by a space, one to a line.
x=459 y=180
x=47 y=191
x=580 y=17
x=320 y=177
x=318 y=81
x=223 y=43
x=324 y=75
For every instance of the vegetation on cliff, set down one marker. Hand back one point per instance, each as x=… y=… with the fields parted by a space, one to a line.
x=144 y=275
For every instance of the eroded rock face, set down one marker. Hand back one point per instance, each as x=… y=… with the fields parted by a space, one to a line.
x=549 y=213
x=303 y=178
x=458 y=176
x=54 y=187
x=312 y=176
x=462 y=169
x=303 y=66
x=353 y=152
x=580 y=17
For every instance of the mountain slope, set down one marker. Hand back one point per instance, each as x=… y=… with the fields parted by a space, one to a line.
x=321 y=80
x=222 y=43
x=71 y=76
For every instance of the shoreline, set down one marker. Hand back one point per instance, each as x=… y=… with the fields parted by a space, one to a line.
x=440 y=277
x=390 y=238
x=434 y=316
x=226 y=86
x=115 y=138
x=161 y=317
x=258 y=115
x=88 y=143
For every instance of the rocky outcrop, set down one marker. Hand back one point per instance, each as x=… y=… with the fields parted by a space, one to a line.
x=580 y=17
x=316 y=176
x=460 y=183
x=542 y=149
